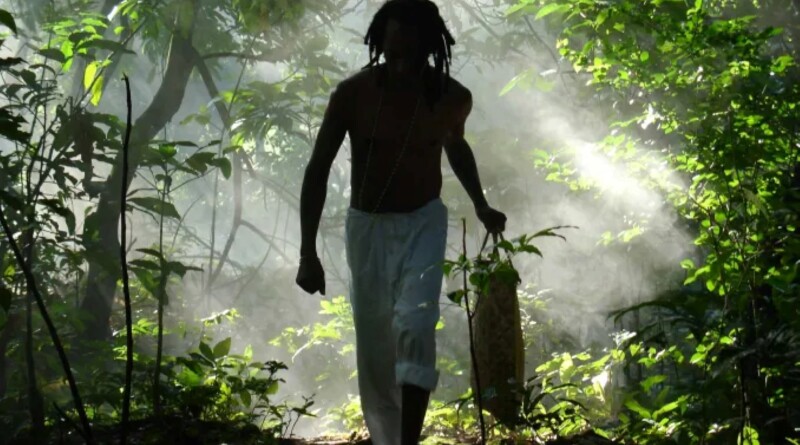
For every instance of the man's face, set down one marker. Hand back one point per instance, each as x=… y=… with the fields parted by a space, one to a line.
x=401 y=49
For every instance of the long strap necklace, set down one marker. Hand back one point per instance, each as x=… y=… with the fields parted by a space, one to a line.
x=399 y=156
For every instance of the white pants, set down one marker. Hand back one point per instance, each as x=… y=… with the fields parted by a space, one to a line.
x=396 y=274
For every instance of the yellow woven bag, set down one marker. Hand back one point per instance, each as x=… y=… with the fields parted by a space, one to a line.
x=499 y=348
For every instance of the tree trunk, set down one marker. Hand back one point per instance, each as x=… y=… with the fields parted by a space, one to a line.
x=102 y=225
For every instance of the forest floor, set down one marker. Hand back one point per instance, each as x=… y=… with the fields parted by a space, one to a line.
x=177 y=437
x=588 y=438
x=178 y=431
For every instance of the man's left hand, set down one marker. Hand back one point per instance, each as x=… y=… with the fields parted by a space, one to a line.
x=493 y=220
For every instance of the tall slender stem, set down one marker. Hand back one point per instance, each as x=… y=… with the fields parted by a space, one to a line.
x=126 y=395
x=162 y=295
x=478 y=396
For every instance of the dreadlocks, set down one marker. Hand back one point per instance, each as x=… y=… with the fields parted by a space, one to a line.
x=435 y=39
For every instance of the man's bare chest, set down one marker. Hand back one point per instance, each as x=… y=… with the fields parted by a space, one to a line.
x=396 y=122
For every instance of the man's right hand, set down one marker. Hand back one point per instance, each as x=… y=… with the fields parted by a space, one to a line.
x=310 y=276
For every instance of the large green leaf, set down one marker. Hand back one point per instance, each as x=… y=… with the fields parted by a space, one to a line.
x=53 y=54
x=222 y=348
x=224 y=164
x=109 y=45
x=8 y=20
x=206 y=351
x=552 y=8
x=156 y=206
x=637 y=407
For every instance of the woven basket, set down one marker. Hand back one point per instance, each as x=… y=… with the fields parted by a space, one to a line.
x=499 y=351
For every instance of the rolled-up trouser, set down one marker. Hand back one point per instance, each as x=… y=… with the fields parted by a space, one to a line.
x=396 y=273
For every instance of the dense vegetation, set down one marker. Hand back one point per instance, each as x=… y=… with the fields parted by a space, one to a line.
x=697 y=101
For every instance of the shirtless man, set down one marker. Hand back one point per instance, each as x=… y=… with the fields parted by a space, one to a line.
x=399 y=115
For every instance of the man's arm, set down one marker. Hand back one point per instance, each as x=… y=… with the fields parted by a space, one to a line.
x=315 y=182
x=460 y=154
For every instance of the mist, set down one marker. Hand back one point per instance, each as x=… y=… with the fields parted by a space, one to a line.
x=585 y=278
x=543 y=152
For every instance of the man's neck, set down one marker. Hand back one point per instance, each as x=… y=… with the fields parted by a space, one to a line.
x=406 y=83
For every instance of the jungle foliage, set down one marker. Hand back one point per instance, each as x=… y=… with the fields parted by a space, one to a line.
x=699 y=100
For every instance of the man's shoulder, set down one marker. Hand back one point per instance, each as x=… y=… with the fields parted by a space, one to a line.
x=350 y=85
x=459 y=98
x=459 y=93
x=348 y=88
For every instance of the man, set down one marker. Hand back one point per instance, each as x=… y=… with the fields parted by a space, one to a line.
x=398 y=115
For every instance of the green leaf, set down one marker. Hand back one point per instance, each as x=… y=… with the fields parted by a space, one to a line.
x=456 y=296
x=59 y=209
x=652 y=380
x=222 y=348
x=199 y=360
x=7 y=19
x=30 y=78
x=447 y=268
x=77 y=37
x=246 y=398
x=749 y=436
x=224 y=165
x=199 y=161
x=524 y=78
x=506 y=245
x=145 y=277
x=530 y=248
x=671 y=406
x=53 y=54
x=697 y=274
x=189 y=378
x=180 y=269
x=521 y=8
x=156 y=206
x=10 y=126
x=94 y=21
x=636 y=407
x=187 y=144
x=144 y=264
x=89 y=73
x=551 y=8
x=153 y=252
x=206 y=351
x=109 y=45
x=97 y=91
x=167 y=150
x=7 y=62
x=780 y=64
x=477 y=279
x=272 y=388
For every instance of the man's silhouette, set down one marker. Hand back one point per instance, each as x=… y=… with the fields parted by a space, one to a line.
x=398 y=115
